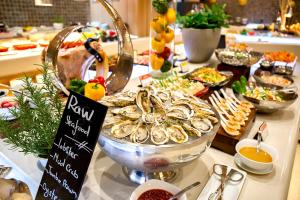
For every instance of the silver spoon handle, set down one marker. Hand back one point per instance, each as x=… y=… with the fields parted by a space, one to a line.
x=177 y=195
x=259 y=138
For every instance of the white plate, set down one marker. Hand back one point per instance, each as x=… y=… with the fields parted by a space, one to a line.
x=7 y=53
x=18 y=174
x=248 y=169
x=231 y=190
x=5 y=113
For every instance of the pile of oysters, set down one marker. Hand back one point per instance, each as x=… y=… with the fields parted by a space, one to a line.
x=153 y=116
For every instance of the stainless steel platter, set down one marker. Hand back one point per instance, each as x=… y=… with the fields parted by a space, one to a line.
x=237 y=58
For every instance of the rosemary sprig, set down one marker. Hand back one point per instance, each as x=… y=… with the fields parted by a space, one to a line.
x=34 y=129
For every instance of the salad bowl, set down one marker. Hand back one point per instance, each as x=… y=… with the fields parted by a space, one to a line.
x=269 y=98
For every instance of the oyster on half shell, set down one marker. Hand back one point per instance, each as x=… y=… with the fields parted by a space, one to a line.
x=123 y=129
x=143 y=101
x=184 y=107
x=179 y=113
x=150 y=118
x=130 y=112
x=163 y=95
x=202 y=124
x=157 y=104
x=111 y=120
x=140 y=134
x=191 y=130
x=159 y=135
x=177 y=134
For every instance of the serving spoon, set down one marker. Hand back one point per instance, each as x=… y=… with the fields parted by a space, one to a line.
x=259 y=135
x=181 y=192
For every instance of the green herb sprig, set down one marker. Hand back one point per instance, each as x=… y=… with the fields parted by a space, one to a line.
x=208 y=18
x=34 y=130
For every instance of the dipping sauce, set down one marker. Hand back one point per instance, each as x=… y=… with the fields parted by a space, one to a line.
x=261 y=156
x=155 y=194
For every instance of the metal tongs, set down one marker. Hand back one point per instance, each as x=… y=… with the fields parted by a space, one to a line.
x=221 y=171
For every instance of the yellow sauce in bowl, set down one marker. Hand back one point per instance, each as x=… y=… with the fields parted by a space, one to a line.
x=261 y=156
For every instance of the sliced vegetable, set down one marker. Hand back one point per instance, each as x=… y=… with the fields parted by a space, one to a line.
x=98 y=79
x=240 y=86
x=243 y=81
x=3 y=49
x=159 y=24
x=77 y=86
x=24 y=46
x=166 y=53
x=166 y=66
x=94 y=91
x=168 y=35
x=158 y=45
x=171 y=15
x=156 y=62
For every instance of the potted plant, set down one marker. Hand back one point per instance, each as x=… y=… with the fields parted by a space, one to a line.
x=201 y=31
x=58 y=22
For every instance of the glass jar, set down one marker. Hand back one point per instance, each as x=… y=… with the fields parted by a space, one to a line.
x=162 y=34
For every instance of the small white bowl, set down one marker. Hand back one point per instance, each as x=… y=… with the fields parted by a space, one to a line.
x=155 y=184
x=255 y=164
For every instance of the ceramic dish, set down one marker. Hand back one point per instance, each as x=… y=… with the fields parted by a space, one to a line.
x=252 y=164
x=5 y=112
x=275 y=80
x=241 y=165
x=155 y=184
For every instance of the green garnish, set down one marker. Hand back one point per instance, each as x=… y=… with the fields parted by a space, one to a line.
x=160 y=6
x=77 y=86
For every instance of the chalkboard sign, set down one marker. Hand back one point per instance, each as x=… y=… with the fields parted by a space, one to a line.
x=72 y=150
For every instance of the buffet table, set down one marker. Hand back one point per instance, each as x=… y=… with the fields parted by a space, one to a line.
x=105 y=179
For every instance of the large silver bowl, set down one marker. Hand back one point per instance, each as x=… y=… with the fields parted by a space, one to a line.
x=234 y=58
x=155 y=159
x=289 y=96
x=258 y=78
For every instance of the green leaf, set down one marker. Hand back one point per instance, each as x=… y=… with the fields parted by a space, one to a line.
x=208 y=18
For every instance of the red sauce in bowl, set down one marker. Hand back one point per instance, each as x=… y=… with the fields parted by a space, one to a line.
x=155 y=194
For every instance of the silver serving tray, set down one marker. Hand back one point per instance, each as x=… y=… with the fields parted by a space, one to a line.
x=250 y=58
